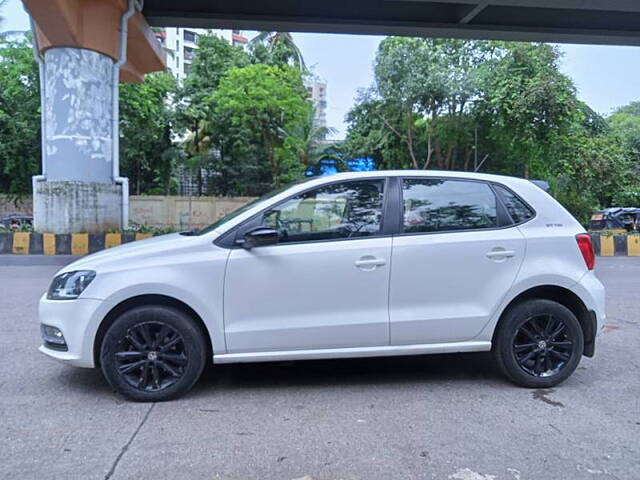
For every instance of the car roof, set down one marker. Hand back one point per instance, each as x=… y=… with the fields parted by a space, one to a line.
x=417 y=173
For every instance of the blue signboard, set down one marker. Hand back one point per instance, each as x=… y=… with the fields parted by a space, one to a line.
x=331 y=166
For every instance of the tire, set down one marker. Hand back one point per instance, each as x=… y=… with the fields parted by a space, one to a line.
x=153 y=354
x=538 y=344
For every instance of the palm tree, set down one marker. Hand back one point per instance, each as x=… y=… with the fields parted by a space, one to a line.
x=281 y=45
x=312 y=147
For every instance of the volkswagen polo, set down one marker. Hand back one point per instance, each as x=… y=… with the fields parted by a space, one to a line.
x=352 y=265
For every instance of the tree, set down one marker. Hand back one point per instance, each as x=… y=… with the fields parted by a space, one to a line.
x=422 y=94
x=368 y=134
x=195 y=114
x=625 y=125
x=266 y=102
x=307 y=140
x=278 y=48
x=589 y=172
x=147 y=156
x=19 y=117
x=525 y=106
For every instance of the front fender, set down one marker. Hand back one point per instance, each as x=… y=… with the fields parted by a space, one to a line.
x=198 y=284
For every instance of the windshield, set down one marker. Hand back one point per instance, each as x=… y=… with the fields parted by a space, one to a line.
x=244 y=208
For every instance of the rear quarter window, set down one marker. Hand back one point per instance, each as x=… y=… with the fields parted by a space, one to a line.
x=517 y=209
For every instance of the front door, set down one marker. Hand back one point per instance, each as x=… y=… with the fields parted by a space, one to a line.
x=324 y=285
x=454 y=262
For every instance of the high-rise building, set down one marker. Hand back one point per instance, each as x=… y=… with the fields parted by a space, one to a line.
x=181 y=43
x=318 y=92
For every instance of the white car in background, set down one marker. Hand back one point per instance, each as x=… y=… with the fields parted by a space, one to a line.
x=352 y=265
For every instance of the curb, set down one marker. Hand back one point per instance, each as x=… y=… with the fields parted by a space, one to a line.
x=27 y=243
x=614 y=245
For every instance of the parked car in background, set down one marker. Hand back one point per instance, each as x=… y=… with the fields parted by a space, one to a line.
x=616 y=219
x=350 y=265
x=14 y=222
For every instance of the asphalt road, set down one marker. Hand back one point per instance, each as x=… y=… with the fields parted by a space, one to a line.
x=432 y=417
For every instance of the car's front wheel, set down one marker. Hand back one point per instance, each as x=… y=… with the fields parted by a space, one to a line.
x=153 y=353
x=538 y=343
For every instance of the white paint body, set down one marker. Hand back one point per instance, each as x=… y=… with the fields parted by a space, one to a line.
x=424 y=293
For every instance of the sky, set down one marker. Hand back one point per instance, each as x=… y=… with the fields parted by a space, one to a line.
x=606 y=77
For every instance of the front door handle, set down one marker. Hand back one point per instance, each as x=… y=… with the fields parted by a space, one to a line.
x=500 y=254
x=369 y=262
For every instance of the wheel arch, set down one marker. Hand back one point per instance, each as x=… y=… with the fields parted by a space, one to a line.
x=142 y=300
x=565 y=297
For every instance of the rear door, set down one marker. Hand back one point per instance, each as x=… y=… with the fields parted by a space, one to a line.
x=453 y=263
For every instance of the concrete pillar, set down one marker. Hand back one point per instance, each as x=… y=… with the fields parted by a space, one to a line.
x=77 y=191
x=84 y=48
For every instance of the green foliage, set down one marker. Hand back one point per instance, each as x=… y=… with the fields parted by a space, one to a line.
x=144 y=228
x=625 y=125
x=277 y=49
x=422 y=96
x=19 y=117
x=147 y=156
x=240 y=153
x=526 y=105
x=431 y=96
x=243 y=117
x=208 y=141
x=266 y=102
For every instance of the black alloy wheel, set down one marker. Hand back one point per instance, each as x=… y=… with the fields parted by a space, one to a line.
x=543 y=345
x=152 y=356
x=538 y=343
x=153 y=353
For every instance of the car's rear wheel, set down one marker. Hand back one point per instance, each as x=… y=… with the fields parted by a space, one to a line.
x=538 y=343
x=153 y=353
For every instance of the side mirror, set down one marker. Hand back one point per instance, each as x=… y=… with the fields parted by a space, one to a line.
x=259 y=237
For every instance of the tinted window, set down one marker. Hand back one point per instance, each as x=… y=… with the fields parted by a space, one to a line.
x=336 y=211
x=433 y=205
x=221 y=221
x=517 y=209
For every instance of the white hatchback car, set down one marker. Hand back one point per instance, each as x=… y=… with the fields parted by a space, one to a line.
x=352 y=265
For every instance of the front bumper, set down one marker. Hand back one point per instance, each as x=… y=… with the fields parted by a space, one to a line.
x=78 y=321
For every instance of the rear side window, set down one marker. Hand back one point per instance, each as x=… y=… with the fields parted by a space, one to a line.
x=517 y=208
x=436 y=205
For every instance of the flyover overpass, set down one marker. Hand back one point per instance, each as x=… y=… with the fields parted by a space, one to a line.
x=615 y=22
x=85 y=47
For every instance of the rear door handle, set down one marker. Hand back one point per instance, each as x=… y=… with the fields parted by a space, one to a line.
x=497 y=254
x=369 y=263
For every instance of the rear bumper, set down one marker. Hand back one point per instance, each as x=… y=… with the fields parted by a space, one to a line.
x=592 y=293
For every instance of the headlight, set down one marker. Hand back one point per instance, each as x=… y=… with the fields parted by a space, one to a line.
x=70 y=285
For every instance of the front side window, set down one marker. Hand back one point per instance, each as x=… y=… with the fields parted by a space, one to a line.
x=438 y=205
x=336 y=211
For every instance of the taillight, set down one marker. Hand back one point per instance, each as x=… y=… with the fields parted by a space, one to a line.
x=586 y=248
